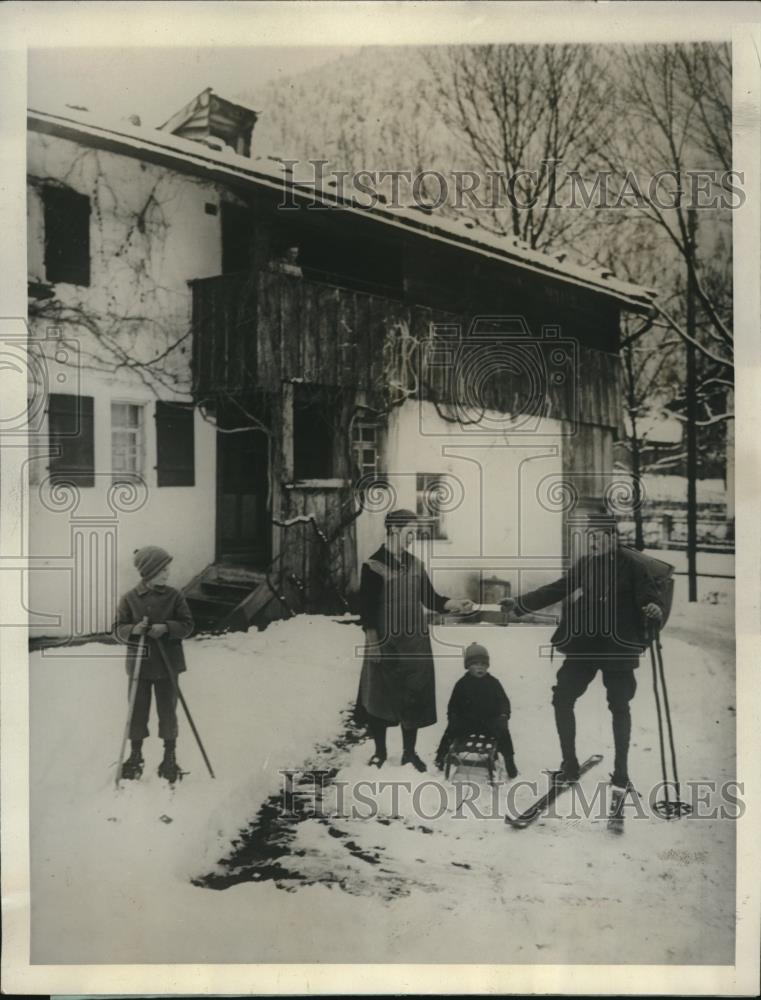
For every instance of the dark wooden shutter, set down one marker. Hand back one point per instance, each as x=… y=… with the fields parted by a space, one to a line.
x=175 y=444
x=71 y=430
x=67 y=236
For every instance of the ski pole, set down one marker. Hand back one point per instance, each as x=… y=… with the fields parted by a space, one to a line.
x=666 y=808
x=133 y=682
x=667 y=709
x=660 y=720
x=181 y=696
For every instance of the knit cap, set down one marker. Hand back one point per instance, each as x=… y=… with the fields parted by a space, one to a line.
x=475 y=651
x=150 y=560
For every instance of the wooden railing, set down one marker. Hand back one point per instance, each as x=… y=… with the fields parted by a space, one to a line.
x=254 y=331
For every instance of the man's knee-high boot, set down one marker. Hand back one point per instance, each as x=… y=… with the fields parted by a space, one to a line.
x=622 y=728
x=565 y=721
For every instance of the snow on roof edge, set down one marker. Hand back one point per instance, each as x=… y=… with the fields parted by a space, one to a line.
x=204 y=158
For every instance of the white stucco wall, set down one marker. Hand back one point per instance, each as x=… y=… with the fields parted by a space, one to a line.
x=149 y=234
x=498 y=525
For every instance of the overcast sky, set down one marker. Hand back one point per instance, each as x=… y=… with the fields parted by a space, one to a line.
x=156 y=82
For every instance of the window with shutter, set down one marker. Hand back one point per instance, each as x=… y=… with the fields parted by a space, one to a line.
x=175 y=444
x=67 y=236
x=71 y=431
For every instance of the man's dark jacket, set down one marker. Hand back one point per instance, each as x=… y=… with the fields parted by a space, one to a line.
x=603 y=600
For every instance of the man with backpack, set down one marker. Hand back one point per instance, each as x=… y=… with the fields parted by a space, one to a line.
x=617 y=599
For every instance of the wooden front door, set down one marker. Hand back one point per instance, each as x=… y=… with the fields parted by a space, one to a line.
x=243 y=517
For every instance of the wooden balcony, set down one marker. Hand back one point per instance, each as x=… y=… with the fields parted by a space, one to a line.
x=254 y=331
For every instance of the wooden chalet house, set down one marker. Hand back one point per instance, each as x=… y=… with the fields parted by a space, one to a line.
x=327 y=360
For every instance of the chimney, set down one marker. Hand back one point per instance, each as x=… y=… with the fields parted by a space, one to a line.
x=209 y=117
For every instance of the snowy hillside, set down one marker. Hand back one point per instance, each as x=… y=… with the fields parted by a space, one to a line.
x=112 y=871
x=362 y=111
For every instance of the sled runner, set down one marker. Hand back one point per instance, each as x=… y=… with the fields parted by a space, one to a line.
x=474 y=751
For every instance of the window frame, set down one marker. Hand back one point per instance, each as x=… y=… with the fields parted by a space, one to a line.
x=436 y=519
x=359 y=445
x=125 y=475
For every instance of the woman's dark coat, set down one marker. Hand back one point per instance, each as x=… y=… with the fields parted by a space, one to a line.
x=397 y=684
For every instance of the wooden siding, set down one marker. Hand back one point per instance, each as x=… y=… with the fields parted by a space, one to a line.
x=280 y=327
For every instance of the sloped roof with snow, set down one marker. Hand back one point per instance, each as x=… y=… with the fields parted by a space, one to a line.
x=224 y=164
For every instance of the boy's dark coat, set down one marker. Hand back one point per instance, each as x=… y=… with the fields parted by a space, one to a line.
x=161 y=605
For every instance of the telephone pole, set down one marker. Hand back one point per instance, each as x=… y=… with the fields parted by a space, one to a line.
x=692 y=417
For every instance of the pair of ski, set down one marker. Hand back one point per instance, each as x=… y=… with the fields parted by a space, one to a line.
x=557 y=787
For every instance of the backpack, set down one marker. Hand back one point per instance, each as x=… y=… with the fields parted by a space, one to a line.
x=663 y=575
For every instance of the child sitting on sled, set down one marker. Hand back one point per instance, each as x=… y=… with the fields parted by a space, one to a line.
x=161 y=614
x=478 y=704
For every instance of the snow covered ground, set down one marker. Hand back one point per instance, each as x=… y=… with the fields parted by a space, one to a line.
x=112 y=871
x=658 y=486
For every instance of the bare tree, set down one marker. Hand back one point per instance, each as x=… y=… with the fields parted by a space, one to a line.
x=707 y=76
x=674 y=104
x=523 y=111
x=644 y=371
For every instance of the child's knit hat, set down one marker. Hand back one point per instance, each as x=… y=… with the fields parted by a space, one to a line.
x=150 y=560
x=475 y=651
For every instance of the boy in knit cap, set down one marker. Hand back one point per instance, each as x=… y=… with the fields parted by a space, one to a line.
x=161 y=614
x=478 y=704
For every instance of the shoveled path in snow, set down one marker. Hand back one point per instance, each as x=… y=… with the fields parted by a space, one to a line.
x=400 y=889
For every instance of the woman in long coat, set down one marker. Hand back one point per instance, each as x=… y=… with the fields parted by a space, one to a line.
x=397 y=683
